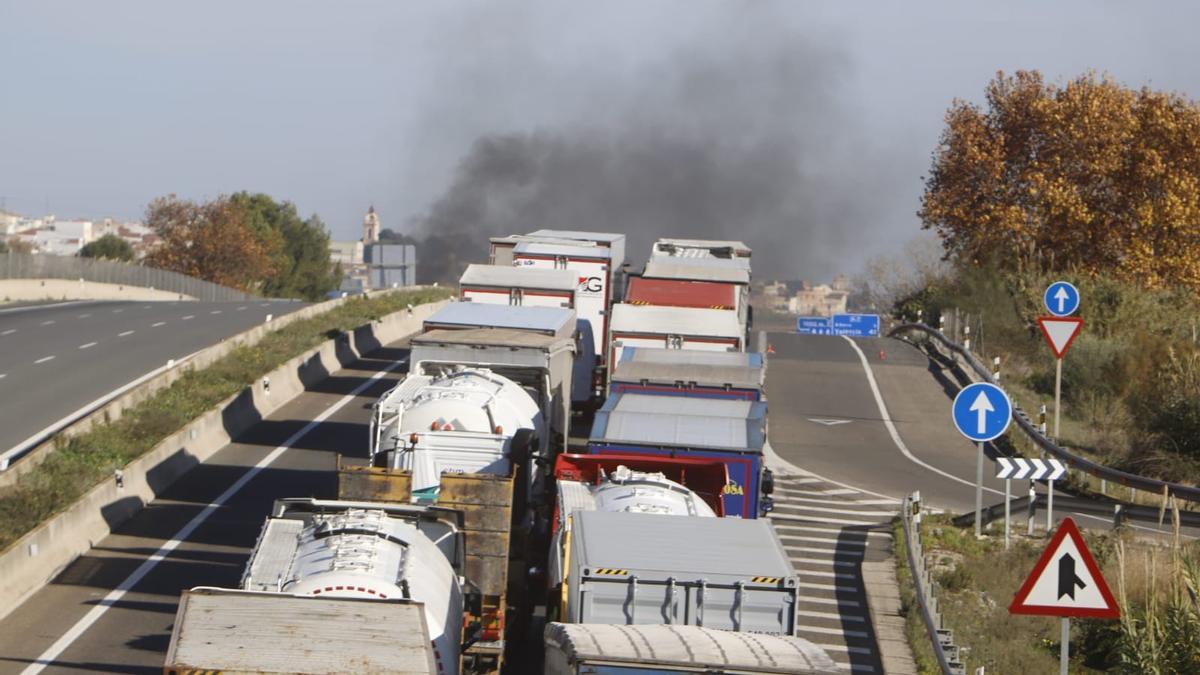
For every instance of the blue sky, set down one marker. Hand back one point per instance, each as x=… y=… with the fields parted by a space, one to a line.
x=335 y=106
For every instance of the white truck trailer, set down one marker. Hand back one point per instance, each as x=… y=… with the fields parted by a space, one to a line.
x=645 y=568
x=608 y=649
x=507 y=285
x=335 y=586
x=700 y=248
x=715 y=330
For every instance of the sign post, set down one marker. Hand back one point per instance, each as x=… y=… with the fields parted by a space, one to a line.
x=1033 y=469
x=1066 y=582
x=1061 y=300
x=981 y=412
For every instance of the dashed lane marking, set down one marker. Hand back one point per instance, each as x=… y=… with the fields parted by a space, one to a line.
x=189 y=317
x=128 y=332
x=114 y=596
x=48 y=323
x=215 y=311
x=84 y=316
x=3 y=375
x=160 y=323
x=88 y=345
x=44 y=359
x=241 y=308
x=10 y=331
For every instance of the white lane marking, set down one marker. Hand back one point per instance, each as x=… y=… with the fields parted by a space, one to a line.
x=845 y=533
x=828 y=575
x=118 y=311
x=846 y=502
x=84 y=316
x=775 y=458
x=818 y=561
x=835 y=631
x=241 y=308
x=48 y=323
x=44 y=359
x=145 y=306
x=114 y=596
x=88 y=345
x=10 y=331
x=3 y=375
x=775 y=515
x=128 y=332
x=891 y=428
x=827 y=587
x=838 y=548
x=830 y=615
x=863 y=667
x=160 y=323
x=844 y=648
x=783 y=480
x=31 y=308
x=189 y=317
x=831 y=601
x=215 y=311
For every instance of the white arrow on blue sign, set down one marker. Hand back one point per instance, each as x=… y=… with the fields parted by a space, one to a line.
x=982 y=411
x=1061 y=298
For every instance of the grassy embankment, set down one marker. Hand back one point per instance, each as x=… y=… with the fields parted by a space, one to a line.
x=1154 y=584
x=1131 y=381
x=84 y=461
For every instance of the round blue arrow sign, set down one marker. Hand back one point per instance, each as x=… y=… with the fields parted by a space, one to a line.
x=982 y=411
x=1061 y=298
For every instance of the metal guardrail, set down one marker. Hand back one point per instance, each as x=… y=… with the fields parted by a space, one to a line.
x=1178 y=490
x=941 y=638
x=25 y=266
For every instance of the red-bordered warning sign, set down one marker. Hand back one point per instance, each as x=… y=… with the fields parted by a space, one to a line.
x=1060 y=332
x=1066 y=581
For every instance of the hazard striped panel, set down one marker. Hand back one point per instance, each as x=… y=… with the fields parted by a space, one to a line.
x=766 y=580
x=611 y=571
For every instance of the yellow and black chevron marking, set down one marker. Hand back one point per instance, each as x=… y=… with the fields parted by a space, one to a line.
x=766 y=580
x=612 y=571
x=192 y=671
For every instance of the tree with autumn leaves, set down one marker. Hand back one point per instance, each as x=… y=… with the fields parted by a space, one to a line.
x=245 y=241
x=1091 y=177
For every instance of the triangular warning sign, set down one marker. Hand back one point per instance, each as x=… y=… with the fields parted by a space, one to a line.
x=1066 y=581
x=1060 y=332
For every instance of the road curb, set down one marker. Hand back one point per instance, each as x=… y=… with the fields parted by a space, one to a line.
x=38 y=557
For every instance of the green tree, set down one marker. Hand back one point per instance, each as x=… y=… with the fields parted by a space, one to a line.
x=110 y=247
x=211 y=240
x=302 y=267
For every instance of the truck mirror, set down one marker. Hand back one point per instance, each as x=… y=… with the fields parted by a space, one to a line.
x=768 y=482
x=521 y=446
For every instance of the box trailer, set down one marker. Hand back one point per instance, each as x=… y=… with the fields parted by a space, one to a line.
x=598 y=285
x=507 y=285
x=555 y=321
x=500 y=250
x=714 y=330
x=592 y=649
x=700 y=248
x=682 y=293
x=729 y=430
x=687 y=372
x=233 y=632
x=646 y=568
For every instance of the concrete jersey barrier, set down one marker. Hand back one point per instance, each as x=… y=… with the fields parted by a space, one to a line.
x=39 y=556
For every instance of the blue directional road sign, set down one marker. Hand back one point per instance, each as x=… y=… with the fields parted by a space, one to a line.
x=982 y=411
x=856 y=325
x=1061 y=298
x=814 y=325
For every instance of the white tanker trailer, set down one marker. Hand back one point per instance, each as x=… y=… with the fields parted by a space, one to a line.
x=461 y=421
x=313 y=564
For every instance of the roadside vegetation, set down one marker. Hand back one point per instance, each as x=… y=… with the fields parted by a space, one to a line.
x=1155 y=585
x=82 y=462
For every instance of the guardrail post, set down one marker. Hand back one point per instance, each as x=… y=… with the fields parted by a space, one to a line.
x=1032 y=507
x=967 y=338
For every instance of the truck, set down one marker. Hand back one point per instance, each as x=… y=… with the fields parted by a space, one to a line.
x=730 y=431
x=554 y=322
x=701 y=248
x=599 y=282
x=507 y=285
x=647 y=568
x=660 y=649
x=687 y=372
x=351 y=586
x=733 y=274
x=714 y=330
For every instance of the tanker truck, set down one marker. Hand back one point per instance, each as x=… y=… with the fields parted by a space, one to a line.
x=337 y=586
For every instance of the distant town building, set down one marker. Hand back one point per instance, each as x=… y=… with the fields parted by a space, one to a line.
x=371 y=227
x=822 y=299
x=367 y=264
x=773 y=296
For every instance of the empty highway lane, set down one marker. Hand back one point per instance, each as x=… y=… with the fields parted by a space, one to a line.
x=57 y=358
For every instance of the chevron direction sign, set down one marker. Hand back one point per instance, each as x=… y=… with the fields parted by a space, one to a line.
x=1033 y=469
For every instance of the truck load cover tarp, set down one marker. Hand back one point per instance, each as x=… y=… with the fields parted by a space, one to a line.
x=247 y=632
x=502 y=276
x=676 y=645
x=701 y=368
x=728 y=270
x=681 y=293
x=556 y=321
x=687 y=321
x=666 y=421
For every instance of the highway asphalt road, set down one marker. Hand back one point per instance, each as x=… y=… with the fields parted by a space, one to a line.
x=57 y=358
x=826 y=418
x=133 y=630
